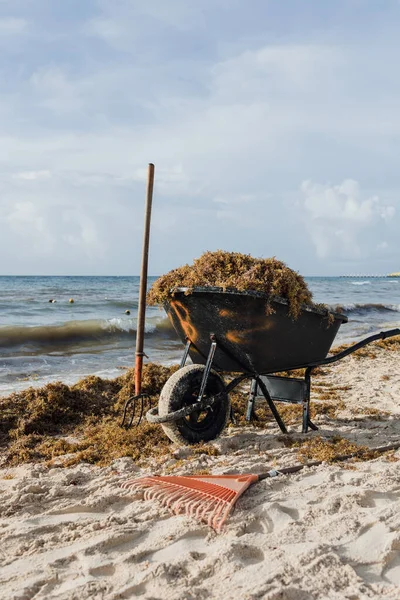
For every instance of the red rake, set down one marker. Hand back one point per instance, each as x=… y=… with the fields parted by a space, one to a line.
x=211 y=498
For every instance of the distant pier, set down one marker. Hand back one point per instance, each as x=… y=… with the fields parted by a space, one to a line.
x=374 y=276
x=363 y=276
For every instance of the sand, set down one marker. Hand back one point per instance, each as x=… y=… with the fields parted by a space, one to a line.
x=327 y=532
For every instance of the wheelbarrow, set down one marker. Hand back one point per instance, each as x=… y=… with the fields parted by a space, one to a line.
x=250 y=335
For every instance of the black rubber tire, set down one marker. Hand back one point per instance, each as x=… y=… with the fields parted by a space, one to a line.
x=181 y=390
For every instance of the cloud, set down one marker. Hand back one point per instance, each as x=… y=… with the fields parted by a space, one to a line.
x=337 y=217
x=382 y=246
x=82 y=232
x=31 y=228
x=56 y=92
x=234 y=199
x=33 y=175
x=12 y=26
x=234 y=120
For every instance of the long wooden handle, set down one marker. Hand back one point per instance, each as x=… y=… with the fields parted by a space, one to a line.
x=315 y=463
x=143 y=282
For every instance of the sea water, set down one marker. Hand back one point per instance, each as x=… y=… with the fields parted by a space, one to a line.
x=44 y=337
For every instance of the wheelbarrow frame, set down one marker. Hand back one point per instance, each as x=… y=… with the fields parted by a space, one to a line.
x=274 y=388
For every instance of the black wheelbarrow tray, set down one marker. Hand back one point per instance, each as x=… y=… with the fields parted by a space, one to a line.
x=236 y=332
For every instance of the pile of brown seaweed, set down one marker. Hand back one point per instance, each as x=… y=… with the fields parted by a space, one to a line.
x=82 y=420
x=232 y=270
x=331 y=450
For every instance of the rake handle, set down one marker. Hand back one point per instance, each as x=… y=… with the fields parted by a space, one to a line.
x=143 y=282
x=315 y=463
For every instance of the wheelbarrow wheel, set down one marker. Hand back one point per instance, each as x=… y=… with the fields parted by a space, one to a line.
x=182 y=390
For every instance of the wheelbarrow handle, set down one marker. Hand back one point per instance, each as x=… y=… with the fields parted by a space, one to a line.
x=383 y=335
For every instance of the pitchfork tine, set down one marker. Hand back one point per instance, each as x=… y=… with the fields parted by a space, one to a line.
x=141 y=411
x=133 y=412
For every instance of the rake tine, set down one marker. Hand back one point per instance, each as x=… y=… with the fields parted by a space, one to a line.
x=143 y=483
x=163 y=491
x=226 y=514
x=192 y=507
x=195 y=508
x=178 y=501
x=178 y=505
x=177 y=498
x=189 y=498
x=193 y=495
x=203 y=510
x=154 y=493
x=221 y=515
x=202 y=514
x=171 y=496
x=138 y=485
x=146 y=483
x=212 y=516
x=219 y=518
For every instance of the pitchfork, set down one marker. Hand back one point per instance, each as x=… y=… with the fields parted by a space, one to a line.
x=139 y=397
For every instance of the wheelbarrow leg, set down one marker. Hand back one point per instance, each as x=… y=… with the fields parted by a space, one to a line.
x=271 y=405
x=207 y=368
x=252 y=399
x=185 y=354
x=306 y=404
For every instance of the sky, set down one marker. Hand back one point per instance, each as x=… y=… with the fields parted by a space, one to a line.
x=274 y=128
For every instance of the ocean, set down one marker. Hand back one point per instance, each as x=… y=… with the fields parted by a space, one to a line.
x=43 y=341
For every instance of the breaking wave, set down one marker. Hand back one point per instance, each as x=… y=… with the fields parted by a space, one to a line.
x=364 y=309
x=95 y=330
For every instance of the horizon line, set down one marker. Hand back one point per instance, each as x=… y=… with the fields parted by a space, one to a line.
x=355 y=276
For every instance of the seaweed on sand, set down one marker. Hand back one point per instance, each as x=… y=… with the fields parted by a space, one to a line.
x=232 y=270
x=330 y=450
x=82 y=420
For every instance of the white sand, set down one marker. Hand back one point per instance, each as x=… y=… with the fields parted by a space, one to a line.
x=327 y=532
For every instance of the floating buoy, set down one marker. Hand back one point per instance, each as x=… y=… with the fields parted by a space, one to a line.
x=127 y=312
x=52 y=301
x=71 y=300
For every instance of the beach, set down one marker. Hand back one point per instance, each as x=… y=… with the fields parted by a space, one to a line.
x=329 y=531
x=199 y=300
